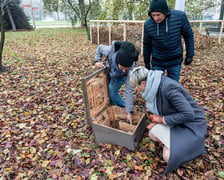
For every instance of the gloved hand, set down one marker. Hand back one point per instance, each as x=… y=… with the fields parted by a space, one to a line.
x=156 y=119
x=188 y=60
x=147 y=65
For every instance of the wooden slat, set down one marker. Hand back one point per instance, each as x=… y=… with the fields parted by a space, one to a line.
x=125 y=32
x=220 y=34
x=142 y=22
x=109 y=25
x=126 y=127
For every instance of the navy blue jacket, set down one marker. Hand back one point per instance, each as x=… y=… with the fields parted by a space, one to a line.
x=163 y=41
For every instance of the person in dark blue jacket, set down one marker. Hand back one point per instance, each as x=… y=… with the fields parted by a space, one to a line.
x=162 y=42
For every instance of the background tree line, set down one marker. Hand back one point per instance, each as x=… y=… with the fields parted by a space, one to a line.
x=84 y=10
x=122 y=9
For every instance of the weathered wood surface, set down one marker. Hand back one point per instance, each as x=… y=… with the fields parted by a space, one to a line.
x=101 y=115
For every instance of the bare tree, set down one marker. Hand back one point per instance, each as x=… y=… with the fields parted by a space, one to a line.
x=81 y=11
x=10 y=17
x=221 y=11
x=2 y=68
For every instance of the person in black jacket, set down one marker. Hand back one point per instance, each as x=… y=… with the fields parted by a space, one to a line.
x=162 y=45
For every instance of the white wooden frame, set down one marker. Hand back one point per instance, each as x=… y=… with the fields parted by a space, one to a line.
x=109 y=24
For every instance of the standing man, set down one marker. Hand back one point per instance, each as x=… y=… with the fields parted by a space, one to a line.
x=162 y=46
x=121 y=57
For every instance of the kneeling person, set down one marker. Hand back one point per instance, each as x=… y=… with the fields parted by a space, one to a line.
x=177 y=120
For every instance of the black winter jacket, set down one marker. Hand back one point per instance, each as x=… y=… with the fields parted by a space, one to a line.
x=163 y=41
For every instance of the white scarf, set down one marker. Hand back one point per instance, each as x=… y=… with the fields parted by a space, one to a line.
x=151 y=89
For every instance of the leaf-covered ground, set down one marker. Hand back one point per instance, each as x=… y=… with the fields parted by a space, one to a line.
x=43 y=128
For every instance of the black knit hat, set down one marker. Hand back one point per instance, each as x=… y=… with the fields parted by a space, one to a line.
x=159 y=6
x=127 y=54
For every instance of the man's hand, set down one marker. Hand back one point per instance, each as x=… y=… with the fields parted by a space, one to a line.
x=129 y=118
x=188 y=60
x=100 y=64
x=156 y=119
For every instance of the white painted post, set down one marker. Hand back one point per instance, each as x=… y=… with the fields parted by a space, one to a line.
x=109 y=24
x=125 y=32
x=98 y=34
x=200 y=28
x=220 y=34
x=142 y=39
x=90 y=29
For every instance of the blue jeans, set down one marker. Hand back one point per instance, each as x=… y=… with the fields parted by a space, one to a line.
x=114 y=86
x=172 y=71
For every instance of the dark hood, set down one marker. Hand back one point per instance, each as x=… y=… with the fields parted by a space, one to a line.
x=159 y=6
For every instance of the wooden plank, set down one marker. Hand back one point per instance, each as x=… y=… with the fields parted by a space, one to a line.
x=85 y=89
x=109 y=25
x=200 y=27
x=112 y=117
x=126 y=127
x=91 y=34
x=110 y=135
x=125 y=32
x=98 y=33
x=142 y=39
x=220 y=34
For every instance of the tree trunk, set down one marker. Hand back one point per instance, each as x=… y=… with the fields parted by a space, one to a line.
x=86 y=23
x=221 y=11
x=87 y=29
x=2 y=68
x=82 y=12
x=10 y=17
x=83 y=18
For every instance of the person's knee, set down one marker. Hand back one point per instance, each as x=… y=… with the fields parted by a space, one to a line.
x=154 y=138
x=166 y=153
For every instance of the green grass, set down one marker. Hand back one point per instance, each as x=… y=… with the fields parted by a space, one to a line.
x=40 y=23
x=42 y=32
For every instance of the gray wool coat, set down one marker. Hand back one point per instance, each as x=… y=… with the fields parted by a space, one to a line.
x=186 y=120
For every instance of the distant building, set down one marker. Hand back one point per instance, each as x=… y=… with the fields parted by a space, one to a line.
x=33 y=8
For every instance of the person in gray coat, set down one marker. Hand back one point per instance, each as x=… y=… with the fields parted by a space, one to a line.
x=120 y=57
x=177 y=120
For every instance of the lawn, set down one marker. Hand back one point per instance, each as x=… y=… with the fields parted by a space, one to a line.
x=43 y=129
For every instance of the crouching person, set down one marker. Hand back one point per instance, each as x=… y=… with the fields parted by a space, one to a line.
x=120 y=57
x=177 y=120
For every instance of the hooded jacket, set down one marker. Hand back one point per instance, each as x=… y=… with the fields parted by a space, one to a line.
x=163 y=41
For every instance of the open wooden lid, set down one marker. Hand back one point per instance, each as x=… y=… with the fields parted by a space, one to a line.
x=96 y=95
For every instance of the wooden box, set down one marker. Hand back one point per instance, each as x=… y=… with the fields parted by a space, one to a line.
x=109 y=122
